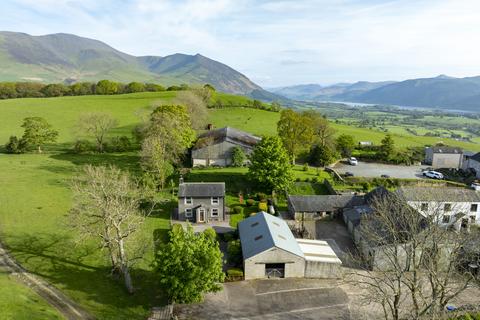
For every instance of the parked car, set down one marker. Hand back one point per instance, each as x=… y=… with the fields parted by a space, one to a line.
x=433 y=174
x=475 y=186
x=353 y=161
x=386 y=176
x=348 y=174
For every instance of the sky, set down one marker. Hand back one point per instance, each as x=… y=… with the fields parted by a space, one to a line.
x=277 y=43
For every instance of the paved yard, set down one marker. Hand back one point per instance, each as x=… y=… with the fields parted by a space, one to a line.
x=282 y=299
x=375 y=170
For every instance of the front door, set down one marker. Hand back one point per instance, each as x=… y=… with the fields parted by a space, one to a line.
x=201 y=215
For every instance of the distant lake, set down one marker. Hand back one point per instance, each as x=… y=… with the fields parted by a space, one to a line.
x=358 y=104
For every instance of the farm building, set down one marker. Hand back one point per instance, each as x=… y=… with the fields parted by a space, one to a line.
x=270 y=251
x=444 y=157
x=472 y=163
x=214 y=147
x=320 y=206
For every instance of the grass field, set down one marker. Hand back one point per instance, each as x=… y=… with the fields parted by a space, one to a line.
x=35 y=197
x=21 y=303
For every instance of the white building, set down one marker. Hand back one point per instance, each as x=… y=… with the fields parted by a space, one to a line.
x=456 y=207
x=444 y=157
x=270 y=251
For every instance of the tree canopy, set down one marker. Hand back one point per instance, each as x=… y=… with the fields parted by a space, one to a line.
x=345 y=144
x=295 y=130
x=38 y=132
x=189 y=265
x=270 y=165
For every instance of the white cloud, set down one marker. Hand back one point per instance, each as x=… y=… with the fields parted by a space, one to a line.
x=277 y=42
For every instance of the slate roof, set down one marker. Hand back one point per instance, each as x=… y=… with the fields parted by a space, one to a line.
x=319 y=203
x=447 y=150
x=439 y=194
x=264 y=231
x=201 y=189
x=228 y=134
x=475 y=157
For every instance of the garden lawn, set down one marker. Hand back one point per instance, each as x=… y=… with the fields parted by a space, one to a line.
x=35 y=200
x=19 y=302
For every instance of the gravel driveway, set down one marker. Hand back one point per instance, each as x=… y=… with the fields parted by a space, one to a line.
x=375 y=170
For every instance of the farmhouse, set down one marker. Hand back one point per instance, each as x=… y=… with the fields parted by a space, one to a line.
x=320 y=206
x=201 y=202
x=270 y=251
x=215 y=147
x=444 y=157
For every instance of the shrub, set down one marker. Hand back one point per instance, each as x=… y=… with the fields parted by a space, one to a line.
x=82 y=146
x=235 y=272
x=250 y=202
x=307 y=179
x=305 y=167
x=234 y=252
x=262 y=206
x=238 y=156
x=365 y=186
x=15 y=146
x=261 y=196
x=315 y=180
x=238 y=210
x=298 y=180
x=119 y=144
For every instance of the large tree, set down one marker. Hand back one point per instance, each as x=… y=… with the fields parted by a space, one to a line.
x=190 y=264
x=270 y=167
x=195 y=101
x=166 y=137
x=296 y=132
x=107 y=208
x=345 y=144
x=322 y=131
x=419 y=265
x=37 y=132
x=96 y=125
x=387 y=147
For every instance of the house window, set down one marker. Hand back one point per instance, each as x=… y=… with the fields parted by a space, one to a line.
x=258 y=237
x=215 y=200
x=214 y=212
x=446 y=219
x=474 y=207
x=188 y=213
x=188 y=200
x=447 y=207
x=424 y=207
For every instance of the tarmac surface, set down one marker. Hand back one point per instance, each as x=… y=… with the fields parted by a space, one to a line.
x=375 y=170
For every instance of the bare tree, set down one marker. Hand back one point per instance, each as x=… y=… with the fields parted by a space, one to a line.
x=107 y=208
x=411 y=264
x=96 y=125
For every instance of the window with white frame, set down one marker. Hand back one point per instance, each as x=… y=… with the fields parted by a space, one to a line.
x=474 y=207
x=188 y=213
x=215 y=200
x=214 y=212
x=188 y=200
x=446 y=219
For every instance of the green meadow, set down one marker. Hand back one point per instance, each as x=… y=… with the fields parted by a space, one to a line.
x=35 y=199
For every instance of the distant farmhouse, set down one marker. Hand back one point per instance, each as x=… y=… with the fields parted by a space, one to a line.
x=444 y=157
x=200 y=202
x=214 y=147
x=270 y=251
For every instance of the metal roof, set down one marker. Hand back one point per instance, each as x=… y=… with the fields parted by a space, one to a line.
x=318 y=250
x=201 y=189
x=264 y=231
x=228 y=134
x=446 y=149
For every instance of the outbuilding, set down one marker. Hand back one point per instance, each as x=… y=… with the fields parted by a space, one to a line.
x=270 y=251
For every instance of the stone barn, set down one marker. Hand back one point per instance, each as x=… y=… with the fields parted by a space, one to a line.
x=270 y=251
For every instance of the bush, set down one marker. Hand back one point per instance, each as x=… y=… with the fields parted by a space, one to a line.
x=238 y=210
x=15 y=146
x=305 y=167
x=262 y=206
x=234 y=252
x=365 y=186
x=238 y=157
x=119 y=144
x=261 y=196
x=315 y=180
x=235 y=272
x=83 y=146
x=250 y=202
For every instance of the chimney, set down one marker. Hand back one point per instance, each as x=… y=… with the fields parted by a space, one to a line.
x=181 y=180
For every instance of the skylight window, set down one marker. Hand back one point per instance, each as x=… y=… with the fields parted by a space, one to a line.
x=254 y=224
x=258 y=237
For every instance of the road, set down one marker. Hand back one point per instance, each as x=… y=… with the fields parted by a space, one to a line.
x=375 y=170
x=69 y=309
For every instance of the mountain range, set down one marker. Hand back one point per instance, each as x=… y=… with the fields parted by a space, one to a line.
x=441 y=92
x=69 y=58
